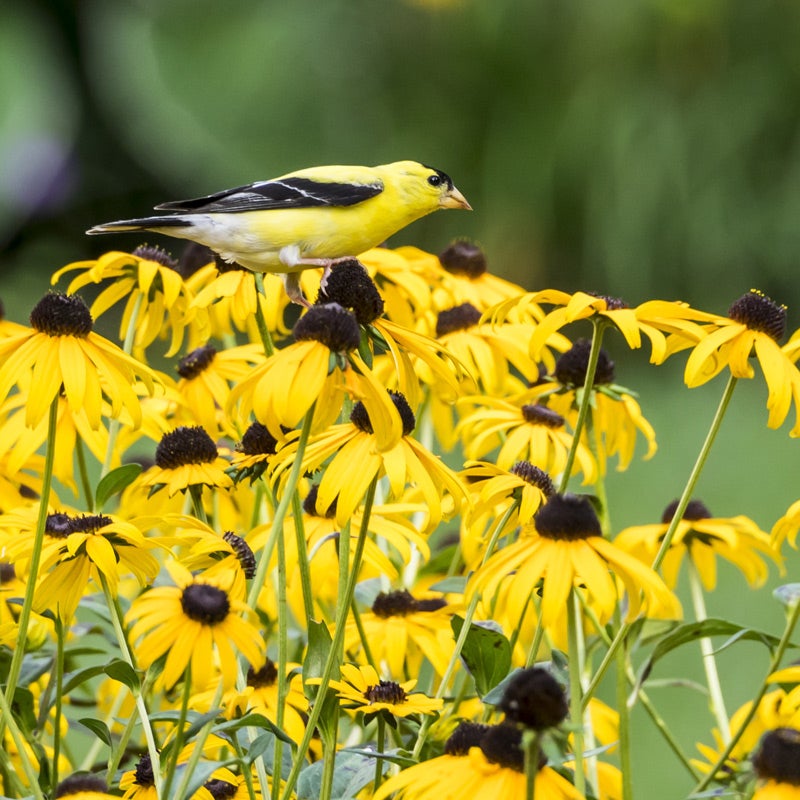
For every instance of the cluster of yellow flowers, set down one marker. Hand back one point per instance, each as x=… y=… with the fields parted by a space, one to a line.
x=358 y=515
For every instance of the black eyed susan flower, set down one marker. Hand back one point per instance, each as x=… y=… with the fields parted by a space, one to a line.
x=187 y=457
x=565 y=548
x=139 y=783
x=199 y=618
x=754 y=327
x=60 y=352
x=402 y=630
x=777 y=765
x=253 y=453
x=149 y=282
x=359 y=442
x=83 y=787
x=483 y=762
x=524 y=432
x=534 y=699
x=362 y=689
x=702 y=538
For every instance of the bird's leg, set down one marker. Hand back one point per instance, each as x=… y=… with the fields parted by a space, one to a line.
x=291 y=283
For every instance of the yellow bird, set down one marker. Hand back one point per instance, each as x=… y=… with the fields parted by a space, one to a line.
x=310 y=218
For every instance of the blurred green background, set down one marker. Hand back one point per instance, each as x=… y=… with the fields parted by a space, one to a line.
x=637 y=148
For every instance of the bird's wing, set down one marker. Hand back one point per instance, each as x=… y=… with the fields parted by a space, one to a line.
x=288 y=192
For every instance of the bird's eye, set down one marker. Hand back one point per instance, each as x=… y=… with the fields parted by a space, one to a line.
x=434 y=180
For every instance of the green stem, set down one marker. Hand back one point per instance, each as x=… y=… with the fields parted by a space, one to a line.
x=115 y=756
x=283 y=647
x=127 y=347
x=707 y=650
x=261 y=322
x=302 y=558
x=623 y=711
x=177 y=742
x=537 y=639
x=599 y=325
x=36 y=554
x=362 y=635
x=332 y=660
x=97 y=745
x=83 y=472
x=380 y=744
x=624 y=630
x=777 y=656
x=58 y=698
x=531 y=762
x=19 y=742
x=600 y=484
x=196 y=493
x=576 y=690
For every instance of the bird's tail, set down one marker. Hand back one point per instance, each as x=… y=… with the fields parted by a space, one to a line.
x=142 y=224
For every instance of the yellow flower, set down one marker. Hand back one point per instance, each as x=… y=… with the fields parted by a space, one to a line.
x=357 y=442
x=190 y=623
x=362 y=689
x=702 y=538
x=148 y=280
x=564 y=548
x=60 y=351
x=787 y=527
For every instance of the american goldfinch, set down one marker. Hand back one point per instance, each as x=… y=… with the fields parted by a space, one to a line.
x=310 y=218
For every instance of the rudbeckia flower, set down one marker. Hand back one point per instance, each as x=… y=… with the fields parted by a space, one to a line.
x=362 y=689
x=148 y=280
x=193 y=622
x=702 y=537
x=253 y=453
x=481 y=762
x=358 y=442
x=564 y=548
x=186 y=457
x=60 y=352
x=83 y=787
x=777 y=765
x=754 y=326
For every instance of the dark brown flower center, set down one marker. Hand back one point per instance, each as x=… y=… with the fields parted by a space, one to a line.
x=458 y=318
x=501 y=744
x=360 y=418
x=612 y=303
x=535 y=476
x=159 y=255
x=62 y=315
x=567 y=517
x=464 y=258
x=143 y=774
x=266 y=676
x=571 y=366
x=219 y=789
x=185 y=445
x=759 y=313
x=7 y=573
x=778 y=757
x=695 y=510
x=534 y=698
x=89 y=523
x=257 y=441
x=58 y=525
x=191 y=365
x=350 y=285
x=331 y=325
x=204 y=603
x=79 y=785
x=244 y=553
x=402 y=603
x=538 y=414
x=385 y=692
x=466 y=735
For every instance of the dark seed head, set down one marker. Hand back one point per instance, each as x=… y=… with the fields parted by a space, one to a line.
x=535 y=476
x=191 y=365
x=778 y=757
x=501 y=745
x=759 y=313
x=535 y=699
x=266 y=676
x=567 y=517
x=157 y=254
x=466 y=735
x=81 y=784
x=458 y=318
x=58 y=525
x=89 y=523
x=7 y=573
x=244 y=553
x=538 y=414
x=695 y=510
x=143 y=774
x=220 y=790
x=185 y=445
x=385 y=692
x=350 y=285
x=62 y=315
x=612 y=303
x=402 y=603
x=257 y=441
x=360 y=418
x=205 y=603
x=331 y=325
x=464 y=258
x=571 y=366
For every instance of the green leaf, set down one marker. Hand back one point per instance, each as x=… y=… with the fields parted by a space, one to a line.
x=252 y=721
x=202 y=773
x=455 y=584
x=114 y=482
x=352 y=772
x=319 y=645
x=123 y=672
x=486 y=652
x=98 y=728
x=788 y=594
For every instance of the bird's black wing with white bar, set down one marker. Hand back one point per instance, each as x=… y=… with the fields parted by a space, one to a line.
x=283 y=193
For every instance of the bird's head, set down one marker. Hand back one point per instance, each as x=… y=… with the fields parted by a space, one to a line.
x=430 y=185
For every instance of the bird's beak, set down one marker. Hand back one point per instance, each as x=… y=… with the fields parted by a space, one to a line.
x=454 y=199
